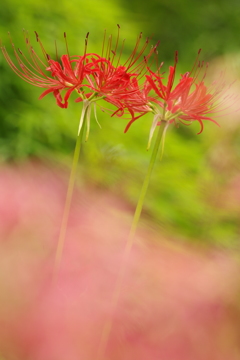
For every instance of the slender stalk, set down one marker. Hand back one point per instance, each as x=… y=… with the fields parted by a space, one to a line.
x=137 y=214
x=115 y=297
x=72 y=178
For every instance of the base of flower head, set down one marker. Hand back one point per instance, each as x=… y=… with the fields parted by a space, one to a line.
x=88 y=106
x=156 y=121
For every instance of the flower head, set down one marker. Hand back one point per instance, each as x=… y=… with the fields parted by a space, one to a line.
x=65 y=75
x=93 y=76
x=88 y=74
x=190 y=100
x=112 y=79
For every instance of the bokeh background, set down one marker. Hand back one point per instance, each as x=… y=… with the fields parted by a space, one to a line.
x=195 y=191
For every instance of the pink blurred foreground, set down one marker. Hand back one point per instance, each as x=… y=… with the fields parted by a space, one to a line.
x=176 y=303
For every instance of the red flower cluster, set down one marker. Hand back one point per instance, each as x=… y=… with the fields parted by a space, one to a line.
x=95 y=77
x=190 y=100
x=90 y=74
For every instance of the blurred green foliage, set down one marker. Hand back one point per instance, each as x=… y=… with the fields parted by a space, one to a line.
x=186 y=196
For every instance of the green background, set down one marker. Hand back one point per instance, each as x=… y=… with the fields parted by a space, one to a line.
x=193 y=191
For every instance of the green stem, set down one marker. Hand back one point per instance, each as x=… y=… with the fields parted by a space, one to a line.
x=68 y=200
x=114 y=301
x=145 y=185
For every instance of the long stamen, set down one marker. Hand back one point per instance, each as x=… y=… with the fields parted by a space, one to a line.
x=108 y=50
x=35 y=60
x=103 y=43
x=41 y=45
x=86 y=44
x=130 y=59
x=196 y=61
x=85 y=47
x=142 y=65
x=120 y=53
x=117 y=41
x=56 y=51
x=25 y=73
x=65 y=38
x=108 y=53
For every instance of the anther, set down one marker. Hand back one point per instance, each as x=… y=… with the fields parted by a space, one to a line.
x=176 y=56
x=36 y=35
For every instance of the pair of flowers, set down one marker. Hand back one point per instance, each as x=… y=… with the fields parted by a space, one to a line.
x=133 y=88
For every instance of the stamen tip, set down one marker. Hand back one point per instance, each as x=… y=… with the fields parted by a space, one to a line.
x=176 y=56
x=36 y=34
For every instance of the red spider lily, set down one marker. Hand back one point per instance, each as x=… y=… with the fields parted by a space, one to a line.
x=191 y=99
x=69 y=77
x=111 y=81
x=66 y=75
x=94 y=77
x=107 y=81
x=102 y=78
